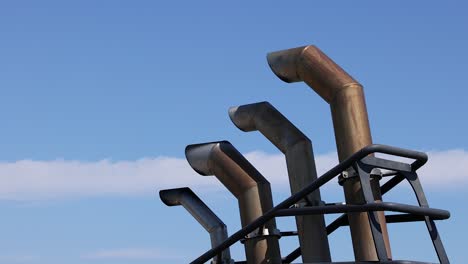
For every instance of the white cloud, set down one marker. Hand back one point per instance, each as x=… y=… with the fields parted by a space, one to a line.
x=446 y=168
x=32 y=180
x=134 y=254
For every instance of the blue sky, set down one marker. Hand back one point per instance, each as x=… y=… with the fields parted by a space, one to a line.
x=99 y=99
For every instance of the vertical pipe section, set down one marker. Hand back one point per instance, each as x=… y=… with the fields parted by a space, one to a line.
x=251 y=189
x=301 y=170
x=346 y=98
x=200 y=211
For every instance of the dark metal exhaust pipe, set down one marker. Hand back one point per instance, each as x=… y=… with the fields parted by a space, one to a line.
x=346 y=98
x=251 y=189
x=301 y=169
x=200 y=211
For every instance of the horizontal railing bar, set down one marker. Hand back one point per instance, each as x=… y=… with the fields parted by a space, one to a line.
x=377 y=206
x=288 y=233
x=386 y=164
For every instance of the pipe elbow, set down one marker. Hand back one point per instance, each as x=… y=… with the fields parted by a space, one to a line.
x=244 y=116
x=284 y=64
x=222 y=160
x=173 y=197
x=310 y=65
x=265 y=118
x=199 y=157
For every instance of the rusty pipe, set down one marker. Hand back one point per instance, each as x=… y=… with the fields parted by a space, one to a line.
x=250 y=188
x=203 y=214
x=297 y=148
x=351 y=125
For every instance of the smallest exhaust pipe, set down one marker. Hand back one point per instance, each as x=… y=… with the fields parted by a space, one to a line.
x=200 y=211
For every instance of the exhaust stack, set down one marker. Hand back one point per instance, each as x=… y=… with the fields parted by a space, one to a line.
x=200 y=211
x=251 y=189
x=346 y=98
x=301 y=169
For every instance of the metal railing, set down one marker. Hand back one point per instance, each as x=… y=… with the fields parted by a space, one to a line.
x=364 y=166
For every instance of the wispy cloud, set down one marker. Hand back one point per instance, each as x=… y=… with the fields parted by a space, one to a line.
x=32 y=180
x=19 y=259
x=134 y=254
x=446 y=169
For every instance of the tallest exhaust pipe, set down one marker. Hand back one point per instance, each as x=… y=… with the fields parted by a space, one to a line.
x=351 y=125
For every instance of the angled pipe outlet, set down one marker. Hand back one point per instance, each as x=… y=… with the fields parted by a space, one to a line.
x=351 y=125
x=200 y=211
x=301 y=169
x=344 y=94
x=251 y=189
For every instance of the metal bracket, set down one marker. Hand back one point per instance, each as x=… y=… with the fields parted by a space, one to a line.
x=346 y=175
x=351 y=174
x=261 y=233
x=299 y=205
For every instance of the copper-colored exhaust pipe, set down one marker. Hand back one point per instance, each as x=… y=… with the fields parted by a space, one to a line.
x=301 y=170
x=346 y=98
x=200 y=211
x=250 y=188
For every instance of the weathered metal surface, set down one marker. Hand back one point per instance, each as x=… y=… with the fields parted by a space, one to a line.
x=352 y=132
x=250 y=188
x=301 y=170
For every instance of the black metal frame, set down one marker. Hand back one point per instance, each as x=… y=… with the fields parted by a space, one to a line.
x=363 y=164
